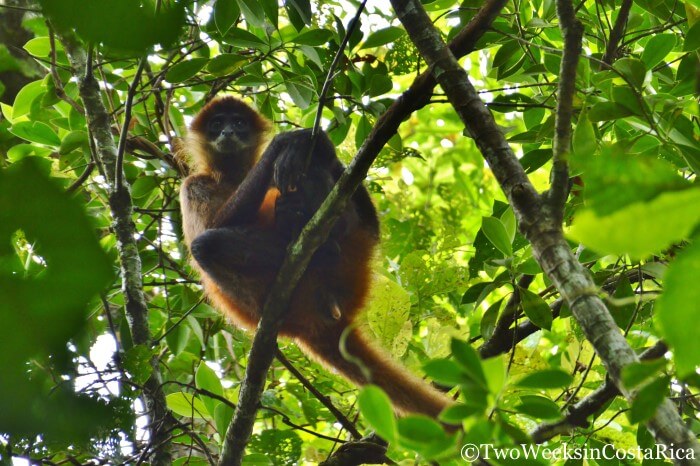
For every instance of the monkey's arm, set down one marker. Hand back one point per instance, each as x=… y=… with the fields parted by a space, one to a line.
x=243 y=205
x=304 y=189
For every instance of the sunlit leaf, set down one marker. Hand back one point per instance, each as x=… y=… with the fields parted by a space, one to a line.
x=679 y=305
x=376 y=408
x=641 y=229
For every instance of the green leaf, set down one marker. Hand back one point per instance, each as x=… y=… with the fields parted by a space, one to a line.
x=125 y=26
x=678 y=309
x=692 y=38
x=241 y=38
x=477 y=293
x=206 y=378
x=548 y=378
x=487 y=325
x=535 y=158
x=648 y=399
x=469 y=360
x=657 y=48
x=223 y=414
x=495 y=372
x=72 y=141
x=444 y=371
x=383 y=37
x=314 y=37
x=508 y=220
x=185 y=70
x=178 y=338
x=388 y=311
x=641 y=229
x=226 y=13
x=623 y=303
x=39 y=47
x=271 y=9
x=496 y=232
x=633 y=375
x=628 y=98
x=505 y=52
x=226 y=63
x=376 y=408
x=605 y=111
x=253 y=12
x=536 y=309
x=143 y=186
x=37 y=214
x=633 y=69
x=457 y=412
x=299 y=12
x=538 y=407
x=137 y=362
x=615 y=179
x=25 y=97
x=362 y=130
x=37 y=132
x=419 y=429
x=186 y=405
x=300 y=93
x=380 y=84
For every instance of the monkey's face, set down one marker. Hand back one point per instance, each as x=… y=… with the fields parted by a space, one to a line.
x=230 y=132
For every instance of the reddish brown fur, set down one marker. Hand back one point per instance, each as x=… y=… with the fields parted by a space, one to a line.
x=306 y=322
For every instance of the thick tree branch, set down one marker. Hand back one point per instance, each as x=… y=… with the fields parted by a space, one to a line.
x=317 y=230
x=536 y=221
x=130 y=262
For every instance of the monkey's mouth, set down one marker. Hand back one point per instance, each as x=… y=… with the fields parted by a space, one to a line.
x=228 y=144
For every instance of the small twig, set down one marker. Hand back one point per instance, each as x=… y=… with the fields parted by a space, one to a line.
x=121 y=148
x=60 y=91
x=329 y=79
x=344 y=421
x=82 y=178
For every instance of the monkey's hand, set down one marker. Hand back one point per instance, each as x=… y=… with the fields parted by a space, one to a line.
x=290 y=164
x=291 y=214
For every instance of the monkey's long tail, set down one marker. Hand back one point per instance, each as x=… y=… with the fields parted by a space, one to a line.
x=409 y=393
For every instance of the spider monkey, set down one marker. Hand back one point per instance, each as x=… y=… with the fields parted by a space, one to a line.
x=242 y=206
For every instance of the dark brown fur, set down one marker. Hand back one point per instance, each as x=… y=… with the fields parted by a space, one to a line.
x=239 y=194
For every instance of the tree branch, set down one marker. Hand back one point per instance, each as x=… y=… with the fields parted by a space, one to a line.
x=121 y=148
x=130 y=263
x=344 y=421
x=578 y=413
x=617 y=32
x=543 y=231
x=572 y=31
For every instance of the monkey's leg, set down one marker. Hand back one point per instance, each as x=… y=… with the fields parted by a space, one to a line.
x=222 y=251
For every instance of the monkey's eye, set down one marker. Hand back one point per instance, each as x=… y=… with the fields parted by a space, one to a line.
x=238 y=122
x=215 y=125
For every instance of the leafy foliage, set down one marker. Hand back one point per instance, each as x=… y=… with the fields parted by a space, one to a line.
x=453 y=272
